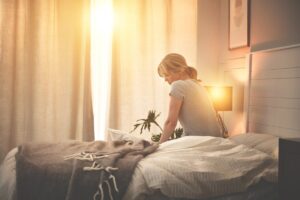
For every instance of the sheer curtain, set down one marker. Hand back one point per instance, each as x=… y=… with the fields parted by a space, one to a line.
x=45 y=51
x=44 y=71
x=144 y=32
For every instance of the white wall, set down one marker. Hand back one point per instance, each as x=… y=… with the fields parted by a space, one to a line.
x=274 y=23
x=217 y=64
x=232 y=70
x=208 y=40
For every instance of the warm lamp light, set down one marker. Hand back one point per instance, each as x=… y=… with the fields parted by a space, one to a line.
x=222 y=99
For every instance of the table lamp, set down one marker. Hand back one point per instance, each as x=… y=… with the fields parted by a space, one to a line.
x=222 y=100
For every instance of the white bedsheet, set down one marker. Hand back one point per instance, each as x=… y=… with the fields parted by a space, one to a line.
x=199 y=167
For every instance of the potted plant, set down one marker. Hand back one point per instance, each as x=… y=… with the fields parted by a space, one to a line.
x=151 y=119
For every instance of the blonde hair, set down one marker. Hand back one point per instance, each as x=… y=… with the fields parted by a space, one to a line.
x=175 y=63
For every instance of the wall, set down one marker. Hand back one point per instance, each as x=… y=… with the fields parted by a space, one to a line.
x=217 y=65
x=275 y=98
x=274 y=23
x=233 y=71
x=208 y=40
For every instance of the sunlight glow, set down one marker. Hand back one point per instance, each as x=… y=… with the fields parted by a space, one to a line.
x=101 y=47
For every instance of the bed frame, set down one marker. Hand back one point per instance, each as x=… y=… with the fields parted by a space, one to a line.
x=274 y=94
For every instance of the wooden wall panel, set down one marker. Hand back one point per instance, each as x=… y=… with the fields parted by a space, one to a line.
x=274 y=102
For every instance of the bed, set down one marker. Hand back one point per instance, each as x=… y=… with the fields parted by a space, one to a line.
x=242 y=167
x=189 y=168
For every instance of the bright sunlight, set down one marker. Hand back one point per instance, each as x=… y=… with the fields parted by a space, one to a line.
x=101 y=47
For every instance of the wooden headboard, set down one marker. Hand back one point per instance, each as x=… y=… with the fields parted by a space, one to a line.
x=274 y=92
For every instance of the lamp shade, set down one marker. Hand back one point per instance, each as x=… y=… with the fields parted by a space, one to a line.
x=221 y=97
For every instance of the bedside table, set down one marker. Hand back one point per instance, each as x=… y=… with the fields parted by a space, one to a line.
x=289 y=169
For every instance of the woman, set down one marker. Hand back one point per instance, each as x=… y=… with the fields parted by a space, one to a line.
x=189 y=101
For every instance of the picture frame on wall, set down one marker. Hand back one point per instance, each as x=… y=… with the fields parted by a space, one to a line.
x=238 y=23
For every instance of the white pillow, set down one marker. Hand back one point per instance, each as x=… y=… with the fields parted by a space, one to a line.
x=122 y=135
x=263 y=142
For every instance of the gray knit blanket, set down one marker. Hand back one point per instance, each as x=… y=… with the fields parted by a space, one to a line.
x=77 y=170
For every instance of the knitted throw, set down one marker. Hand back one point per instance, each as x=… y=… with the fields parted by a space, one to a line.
x=77 y=170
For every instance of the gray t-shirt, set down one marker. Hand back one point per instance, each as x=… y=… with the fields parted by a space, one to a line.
x=197 y=115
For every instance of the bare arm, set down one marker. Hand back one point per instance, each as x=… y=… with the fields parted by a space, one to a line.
x=171 y=122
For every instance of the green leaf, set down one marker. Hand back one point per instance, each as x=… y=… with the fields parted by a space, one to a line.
x=146 y=123
x=141 y=131
x=156 y=138
x=158 y=125
x=135 y=127
x=178 y=132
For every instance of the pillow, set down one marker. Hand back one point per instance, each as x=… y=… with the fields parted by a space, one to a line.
x=122 y=135
x=263 y=142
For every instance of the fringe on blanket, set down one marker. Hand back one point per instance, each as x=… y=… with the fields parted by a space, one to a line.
x=96 y=166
